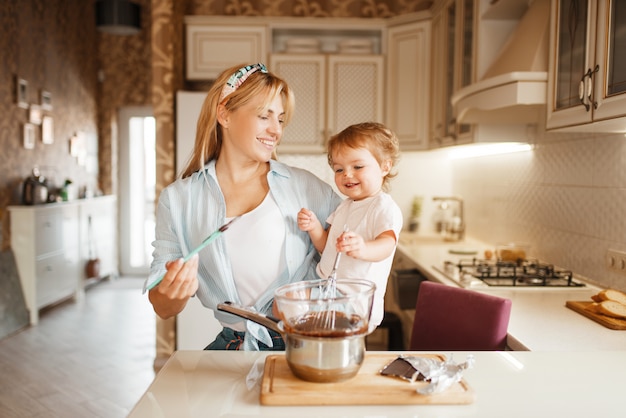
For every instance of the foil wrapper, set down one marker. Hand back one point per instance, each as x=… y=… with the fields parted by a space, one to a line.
x=440 y=374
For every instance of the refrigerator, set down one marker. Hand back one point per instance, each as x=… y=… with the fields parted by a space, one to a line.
x=196 y=326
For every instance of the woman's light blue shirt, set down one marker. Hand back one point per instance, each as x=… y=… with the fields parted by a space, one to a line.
x=191 y=208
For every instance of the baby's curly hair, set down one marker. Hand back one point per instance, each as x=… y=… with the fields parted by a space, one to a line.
x=375 y=137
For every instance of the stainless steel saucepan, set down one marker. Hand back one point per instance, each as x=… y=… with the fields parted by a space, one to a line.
x=318 y=350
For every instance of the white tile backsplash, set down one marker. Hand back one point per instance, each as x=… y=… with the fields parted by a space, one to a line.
x=566 y=198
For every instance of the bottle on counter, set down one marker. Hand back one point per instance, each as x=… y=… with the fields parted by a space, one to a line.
x=443 y=217
x=68 y=191
x=416 y=212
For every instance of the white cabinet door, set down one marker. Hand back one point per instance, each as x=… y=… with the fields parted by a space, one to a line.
x=408 y=84
x=57 y=277
x=355 y=90
x=45 y=242
x=332 y=92
x=101 y=240
x=211 y=49
x=306 y=75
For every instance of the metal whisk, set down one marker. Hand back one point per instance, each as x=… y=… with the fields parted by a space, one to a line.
x=329 y=292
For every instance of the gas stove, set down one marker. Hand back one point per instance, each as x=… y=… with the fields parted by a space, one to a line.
x=521 y=273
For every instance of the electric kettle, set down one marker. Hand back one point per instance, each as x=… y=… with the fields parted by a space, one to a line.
x=35 y=189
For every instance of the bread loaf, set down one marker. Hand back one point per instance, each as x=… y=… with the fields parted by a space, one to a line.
x=609 y=308
x=610 y=294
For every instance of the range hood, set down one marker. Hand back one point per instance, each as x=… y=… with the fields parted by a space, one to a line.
x=513 y=89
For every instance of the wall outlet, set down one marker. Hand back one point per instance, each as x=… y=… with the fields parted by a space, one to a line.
x=616 y=261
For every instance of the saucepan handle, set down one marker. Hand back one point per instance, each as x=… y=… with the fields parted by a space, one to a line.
x=261 y=319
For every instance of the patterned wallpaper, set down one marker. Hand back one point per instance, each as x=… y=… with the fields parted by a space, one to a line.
x=49 y=44
x=125 y=79
x=323 y=8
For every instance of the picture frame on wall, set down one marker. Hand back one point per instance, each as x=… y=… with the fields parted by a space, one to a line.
x=74 y=146
x=47 y=130
x=21 y=93
x=35 y=115
x=46 y=100
x=29 y=136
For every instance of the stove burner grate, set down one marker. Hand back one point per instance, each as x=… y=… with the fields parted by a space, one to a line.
x=528 y=272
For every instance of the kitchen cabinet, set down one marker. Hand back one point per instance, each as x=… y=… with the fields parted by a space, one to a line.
x=44 y=241
x=408 y=83
x=337 y=84
x=102 y=239
x=212 y=47
x=51 y=249
x=453 y=28
x=332 y=92
x=587 y=74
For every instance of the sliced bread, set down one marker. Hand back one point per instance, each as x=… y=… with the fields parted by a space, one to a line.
x=610 y=294
x=611 y=308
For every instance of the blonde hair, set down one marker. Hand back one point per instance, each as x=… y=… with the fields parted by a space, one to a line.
x=208 y=141
x=380 y=141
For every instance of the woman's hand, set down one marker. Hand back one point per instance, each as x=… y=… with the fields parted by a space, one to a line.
x=178 y=285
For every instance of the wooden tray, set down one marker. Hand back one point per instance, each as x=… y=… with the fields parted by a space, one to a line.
x=368 y=387
x=607 y=321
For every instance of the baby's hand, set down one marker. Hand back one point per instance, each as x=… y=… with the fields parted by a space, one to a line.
x=351 y=243
x=306 y=220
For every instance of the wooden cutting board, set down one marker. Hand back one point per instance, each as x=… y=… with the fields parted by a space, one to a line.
x=368 y=387
x=607 y=321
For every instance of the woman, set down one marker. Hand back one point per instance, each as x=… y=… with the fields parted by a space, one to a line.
x=232 y=173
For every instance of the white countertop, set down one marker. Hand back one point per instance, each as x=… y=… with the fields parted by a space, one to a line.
x=540 y=321
x=575 y=384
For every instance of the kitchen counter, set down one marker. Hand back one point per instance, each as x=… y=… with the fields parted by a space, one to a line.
x=506 y=384
x=540 y=321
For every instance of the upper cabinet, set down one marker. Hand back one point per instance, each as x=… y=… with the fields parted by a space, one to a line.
x=214 y=45
x=587 y=83
x=336 y=70
x=408 y=83
x=306 y=74
x=452 y=69
x=333 y=91
x=342 y=70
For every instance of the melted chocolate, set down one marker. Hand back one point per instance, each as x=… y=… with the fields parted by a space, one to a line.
x=328 y=324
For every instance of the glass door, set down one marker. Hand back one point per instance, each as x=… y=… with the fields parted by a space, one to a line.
x=137 y=189
x=616 y=80
x=573 y=67
x=572 y=52
x=610 y=85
